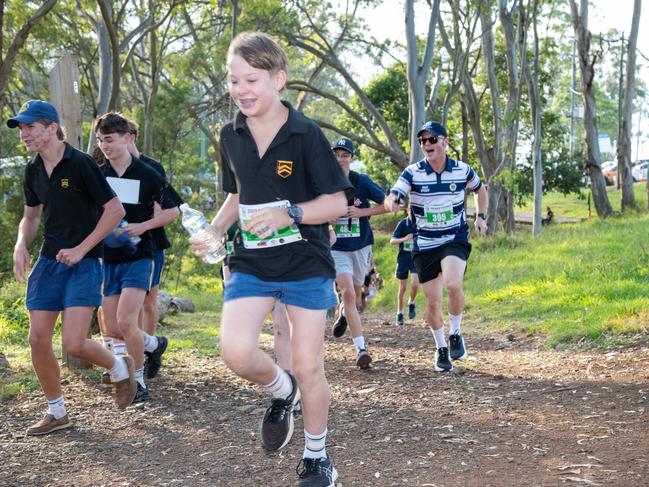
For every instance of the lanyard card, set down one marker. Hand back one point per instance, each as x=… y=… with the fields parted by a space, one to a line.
x=281 y=237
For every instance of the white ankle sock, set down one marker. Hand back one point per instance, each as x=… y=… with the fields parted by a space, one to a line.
x=281 y=386
x=119 y=371
x=150 y=342
x=456 y=322
x=139 y=376
x=438 y=335
x=359 y=343
x=314 y=445
x=56 y=407
x=119 y=347
x=108 y=342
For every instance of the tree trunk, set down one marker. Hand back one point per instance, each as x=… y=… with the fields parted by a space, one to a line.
x=418 y=73
x=586 y=67
x=105 y=63
x=624 y=136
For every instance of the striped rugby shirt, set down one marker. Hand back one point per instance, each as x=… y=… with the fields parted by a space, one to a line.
x=437 y=201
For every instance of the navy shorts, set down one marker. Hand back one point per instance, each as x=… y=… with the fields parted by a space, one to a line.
x=429 y=262
x=53 y=286
x=158 y=265
x=405 y=267
x=118 y=276
x=311 y=293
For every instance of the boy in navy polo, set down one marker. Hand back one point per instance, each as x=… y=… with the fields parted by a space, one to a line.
x=149 y=316
x=128 y=269
x=437 y=186
x=352 y=251
x=403 y=236
x=284 y=186
x=80 y=209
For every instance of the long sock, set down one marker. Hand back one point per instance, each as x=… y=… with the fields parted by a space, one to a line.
x=314 y=445
x=456 y=322
x=139 y=376
x=119 y=371
x=438 y=335
x=56 y=407
x=281 y=387
x=150 y=342
x=108 y=342
x=119 y=347
x=359 y=343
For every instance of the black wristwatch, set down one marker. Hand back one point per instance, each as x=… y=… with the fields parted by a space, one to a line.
x=296 y=213
x=483 y=216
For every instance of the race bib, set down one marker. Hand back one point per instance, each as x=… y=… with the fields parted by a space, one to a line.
x=281 y=237
x=407 y=246
x=347 y=227
x=438 y=215
x=229 y=246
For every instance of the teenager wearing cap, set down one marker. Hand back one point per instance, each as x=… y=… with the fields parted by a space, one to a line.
x=352 y=251
x=437 y=185
x=128 y=269
x=80 y=209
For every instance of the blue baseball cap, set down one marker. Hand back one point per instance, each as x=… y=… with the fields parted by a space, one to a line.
x=344 y=143
x=32 y=111
x=434 y=128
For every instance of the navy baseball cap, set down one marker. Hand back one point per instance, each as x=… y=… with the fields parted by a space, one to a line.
x=34 y=110
x=345 y=144
x=434 y=128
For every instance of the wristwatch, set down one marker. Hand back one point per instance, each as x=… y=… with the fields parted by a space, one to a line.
x=296 y=213
x=483 y=216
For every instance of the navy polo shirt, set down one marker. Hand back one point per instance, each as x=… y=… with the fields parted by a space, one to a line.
x=159 y=236
x=298 y=166
x=365 y=190
x=152 y=188
x=404 y=227
x=72 y=198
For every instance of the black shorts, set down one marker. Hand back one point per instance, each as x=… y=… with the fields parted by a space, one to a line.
x=405 y=268
x=429 y=262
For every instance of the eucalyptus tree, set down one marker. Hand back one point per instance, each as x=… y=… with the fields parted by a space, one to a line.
x=626 y=112
x=587 y=62
x=14 y=31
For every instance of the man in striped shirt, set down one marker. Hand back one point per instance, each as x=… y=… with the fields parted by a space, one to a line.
x=441 y=248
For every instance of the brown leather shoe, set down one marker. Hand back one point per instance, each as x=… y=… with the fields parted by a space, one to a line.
x=48 y=424
x=124 y=390
x=105 y=378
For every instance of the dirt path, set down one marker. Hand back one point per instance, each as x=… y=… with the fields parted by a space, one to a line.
x=514 y=414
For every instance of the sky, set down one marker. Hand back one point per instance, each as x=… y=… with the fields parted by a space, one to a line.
x=387 y=21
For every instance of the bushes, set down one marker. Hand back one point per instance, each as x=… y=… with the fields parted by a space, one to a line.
x=14 y=321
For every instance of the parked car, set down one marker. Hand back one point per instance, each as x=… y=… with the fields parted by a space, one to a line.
x=639 y=171
x=609 y=170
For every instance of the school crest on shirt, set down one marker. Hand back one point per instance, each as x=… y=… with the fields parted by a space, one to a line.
x=284 y=168
x=452 y=187
x=65 y=183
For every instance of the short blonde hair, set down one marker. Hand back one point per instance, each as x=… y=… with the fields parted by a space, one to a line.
x=259 y=50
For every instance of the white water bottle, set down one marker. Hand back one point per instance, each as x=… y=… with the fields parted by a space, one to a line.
x=199 y=228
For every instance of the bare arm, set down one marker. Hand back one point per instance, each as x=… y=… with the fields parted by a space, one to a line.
x=481 y=206
x=27 y=230
x=160 y=219
x=227 y=215
x=354 y=212
x=397 y=241
x=113 y=213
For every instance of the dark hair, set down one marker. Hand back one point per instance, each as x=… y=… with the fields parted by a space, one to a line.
x=61 y=134
x=112 y=122
x=98 y=155
x=259 y=50
x=134 y=128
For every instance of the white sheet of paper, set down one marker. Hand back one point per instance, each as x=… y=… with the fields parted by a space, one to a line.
x=127 y=190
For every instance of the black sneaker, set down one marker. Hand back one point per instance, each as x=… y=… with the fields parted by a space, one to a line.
x=442 y=363
x=277 y=425
x=412 y=311
x=316 y=472
x=154 y=359
x=142 y=394
x=363 y=359
x=340 y=325
x=400 y=319
x=456 y=347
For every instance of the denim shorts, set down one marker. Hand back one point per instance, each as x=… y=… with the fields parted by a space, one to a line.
x=118 y=276
x=158 y=265
x=311 y=293
x=53 y=286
